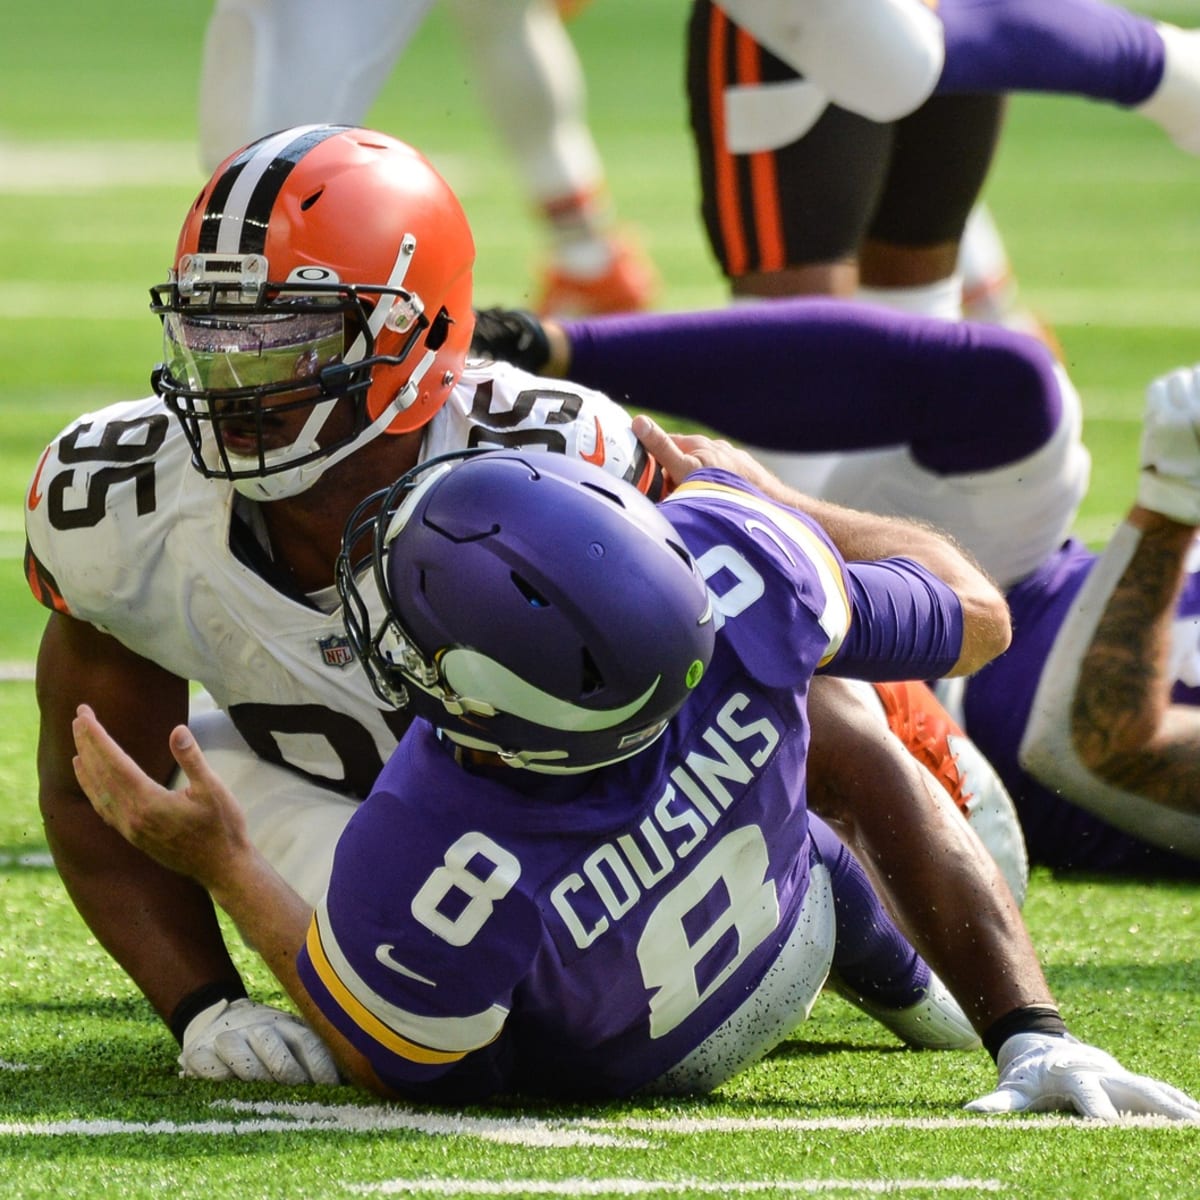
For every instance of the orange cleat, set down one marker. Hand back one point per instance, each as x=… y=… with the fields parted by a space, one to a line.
x=630 y=284
x=915 y=715
x=932 y=736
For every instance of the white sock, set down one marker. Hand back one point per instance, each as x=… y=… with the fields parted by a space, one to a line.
x=1175 y=104
x=941 y=299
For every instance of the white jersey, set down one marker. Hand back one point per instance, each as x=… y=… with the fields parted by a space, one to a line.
x=125 y=534
x=1011 y=519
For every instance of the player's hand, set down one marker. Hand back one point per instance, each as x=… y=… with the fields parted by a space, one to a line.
x=197 y=830
x=245 y=1040
x=1170 y=478
x=679 y=454
x=511 y=335
x=1043 y=1073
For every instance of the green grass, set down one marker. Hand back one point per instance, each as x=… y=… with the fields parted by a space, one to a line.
x=1099 y=212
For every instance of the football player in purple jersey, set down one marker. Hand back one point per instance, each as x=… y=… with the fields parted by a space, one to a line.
x=1091 y=717
x=589 y=869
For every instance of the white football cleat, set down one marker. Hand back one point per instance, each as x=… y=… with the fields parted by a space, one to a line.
x=935 y=1022
x=1170 y=478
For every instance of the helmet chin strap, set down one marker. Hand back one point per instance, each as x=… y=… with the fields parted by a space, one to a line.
x=284 y=483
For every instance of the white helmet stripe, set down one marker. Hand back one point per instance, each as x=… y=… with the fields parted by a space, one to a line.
x=475 y=676
x=237 y=204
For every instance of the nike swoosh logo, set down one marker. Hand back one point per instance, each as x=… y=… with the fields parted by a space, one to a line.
x=597 y=455
x=383 y=954
x=35 y=496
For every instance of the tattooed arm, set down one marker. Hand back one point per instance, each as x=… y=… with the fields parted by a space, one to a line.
x=1103 y=730
x=1123 y=723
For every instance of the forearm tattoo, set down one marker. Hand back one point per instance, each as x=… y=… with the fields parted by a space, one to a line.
x=1123 y=724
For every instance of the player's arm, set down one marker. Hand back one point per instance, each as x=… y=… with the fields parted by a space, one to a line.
x=922 y=856
x=809 y=374
x=1124 y=725
x=986 y=629
x=1103 y=727
x=197 y=835
x=160 y=927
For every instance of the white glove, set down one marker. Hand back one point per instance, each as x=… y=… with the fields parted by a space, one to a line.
x=1170 y=479
x=245 y=1040
x=1041 y=1073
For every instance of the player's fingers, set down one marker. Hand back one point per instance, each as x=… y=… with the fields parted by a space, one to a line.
x=190 y=758
x=663 y=447
x=1002 y=1100
x=1089 y=1098
x=1140 y=1094
x=236 y=1052
x=275 y=1055
x=203 y=1063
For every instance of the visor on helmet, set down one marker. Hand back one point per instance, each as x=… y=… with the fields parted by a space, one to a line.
x=221 y=352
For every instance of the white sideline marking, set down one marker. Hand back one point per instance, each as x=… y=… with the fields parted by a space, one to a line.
x=16 y=672
x=266 y=1117
x=31 y=168
x=38 y=860
x=1040 y=1121
x=690 y=1187
x=295 y=1117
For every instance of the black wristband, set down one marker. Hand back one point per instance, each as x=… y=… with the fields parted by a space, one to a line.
x=204 y=996
x=1033 y=1018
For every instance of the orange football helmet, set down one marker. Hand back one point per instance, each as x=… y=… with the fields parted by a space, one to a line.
x=320 y=267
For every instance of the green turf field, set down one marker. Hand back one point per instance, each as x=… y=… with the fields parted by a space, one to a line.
x=97 y=165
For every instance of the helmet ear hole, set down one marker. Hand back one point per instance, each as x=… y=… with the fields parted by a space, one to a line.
x=439 y=330
x=593 y=679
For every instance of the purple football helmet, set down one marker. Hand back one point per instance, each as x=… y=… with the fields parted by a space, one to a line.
x=533 y=606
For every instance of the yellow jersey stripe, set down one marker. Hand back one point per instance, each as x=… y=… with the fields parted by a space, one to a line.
x=363 y=1017
x=836 y=614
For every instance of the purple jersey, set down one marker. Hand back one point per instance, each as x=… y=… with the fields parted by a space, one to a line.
x=589 y=934
x=997 y=706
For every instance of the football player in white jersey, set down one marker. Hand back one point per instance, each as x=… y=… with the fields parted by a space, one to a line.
x=620 y=888
x=316 y=322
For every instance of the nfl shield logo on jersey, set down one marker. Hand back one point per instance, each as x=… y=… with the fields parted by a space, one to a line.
x=335 y=650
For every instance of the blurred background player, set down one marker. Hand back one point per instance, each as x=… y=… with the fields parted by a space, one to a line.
x=841 y=146
x=270 y=64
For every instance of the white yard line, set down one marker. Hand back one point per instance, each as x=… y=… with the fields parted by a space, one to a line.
x=687 y=1187
x=250 y=1117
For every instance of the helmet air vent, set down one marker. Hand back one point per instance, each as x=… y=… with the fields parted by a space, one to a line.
x=593 y=680
x=532 y=596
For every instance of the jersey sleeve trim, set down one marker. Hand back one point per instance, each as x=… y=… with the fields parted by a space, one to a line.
x=42 y=583
x=413 y=1036
x=792 y=535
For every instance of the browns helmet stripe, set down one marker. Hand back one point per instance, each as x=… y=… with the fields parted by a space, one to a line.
x=239 y=209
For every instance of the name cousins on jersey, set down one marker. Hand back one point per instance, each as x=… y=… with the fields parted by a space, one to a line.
x=617 y=873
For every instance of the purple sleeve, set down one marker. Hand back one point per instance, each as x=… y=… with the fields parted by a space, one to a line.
x=907 y=623
x=826 y=375
x=1082 y=47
